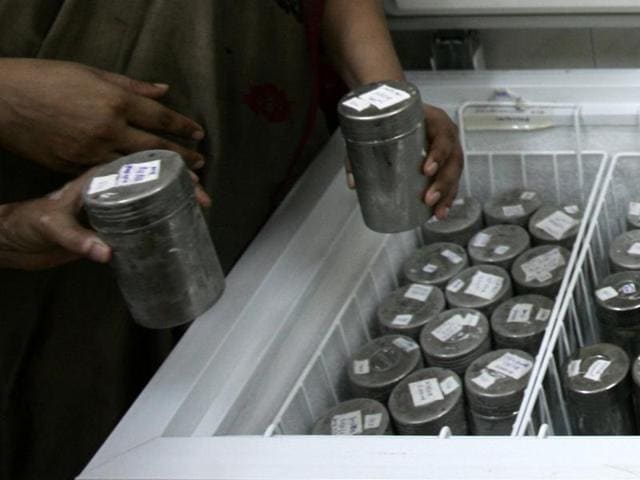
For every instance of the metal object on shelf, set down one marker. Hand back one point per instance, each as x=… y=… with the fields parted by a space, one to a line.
x=494 y=387
x=512 y=206
x=406 y=310
x=482 y=287
x=435 y=264
x=540 y=270
x=383 y=127
x=463 y=221
x=455 y=339
x=633 y=214
x=556 y=225
x=635 y=379
x=596 y=380
x=428 y=400
x=521 y=322
x=624 y=252
x=498 y=245
x=380 y=364
x=358 y=416
x=143 y=205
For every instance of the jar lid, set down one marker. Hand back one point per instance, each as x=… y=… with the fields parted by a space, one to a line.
x=541 y=266
x=619 y=293
x=498 y=244
x=480 y=287
x=435 y=264
x=512 y=206
x=408 y=308
x=555 y=223
x=624 y=251
x=358 y=416
x=521 y=317
x=380 y=111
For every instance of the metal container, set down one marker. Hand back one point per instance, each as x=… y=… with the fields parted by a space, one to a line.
x=359 y=416
x=633 y=216
x=498 y=245
x=635 y=377
x=483 y=288
x=406 y=310
x=383 y=126
x=143 y=205
x=599 y=398
x=520 y=322
x=540 y=270
x=624 y=252
x=463 y=221
x=378 y=366
x=435 y=264
x=428 y=400
x=555 y=225
x=513 y=206
x=455 y=339
x=494 y=386
x=618 y=310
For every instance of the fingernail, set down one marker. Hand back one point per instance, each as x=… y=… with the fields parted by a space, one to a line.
x=351 y=182
x=199 y=164
x=198 y=135
x=432 y=169
x=435 y=196
x=161 y=85
x=99 y=252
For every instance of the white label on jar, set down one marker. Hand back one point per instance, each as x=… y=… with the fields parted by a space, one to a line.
x=100 y=184
x=458 y=201
x=402 y=320
x=425 y=392
x=520 y=313
x=540 y=267
x=357 y=103
x=385 y=96
x=628 y=288
x=511 y=365
x=484 y=285
x=543 y=315
x=456 y=285
x=501 y=249
x=528 y=195
x=513 y=210
x=451 y=256
x=484 y=380
x=557 y=224
x=471 y=319
x=361 y=367
x=634 y=209
x=606 y=293
x=433 y=219
x=405 y=344
x=634 y=249
x=347 y=424
x=572 y=209
x=133 y=173
x=574 y=368
x=481 y=240
x=418 y=292
x=372 y=420
x=448 y=329
x=449 y=385
x=430 y=268
x=597 y=369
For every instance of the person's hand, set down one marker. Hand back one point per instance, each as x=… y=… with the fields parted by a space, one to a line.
x=68 y=117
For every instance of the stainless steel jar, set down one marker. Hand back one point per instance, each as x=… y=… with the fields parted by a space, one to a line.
x=520 y=322
x=599 y=398
x=494 y=386
x=359 y=416
x=380 y=364
x=498 y=245
x=624 y=252
x=463 y=221
x=455 y=339
x=483 y=288
x=435 y=264
x=383 y=126
x=635 y=377
x=143 y=206
x=513 y=206
x=555 y=225
x=428 y=400
x=406 y=310
x=540 y=270
x=633 y=215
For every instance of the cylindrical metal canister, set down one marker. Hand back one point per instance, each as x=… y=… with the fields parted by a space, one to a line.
x=455 y=339
x=599 y=398
x=463 y=221
x=624 y=252
x=540 y=270
x=635 y=377
x=435 y=264
x=555 y=225
x=494 y=386
x=428 y=400
x=520 y=322
x=359 y=416
x=498 y=245
x=513 y=206
x=618 y=309
x=633 y=215
x=406 y=310
x=380 y=364
x=143 y=206
x=383 y=126
x=483 y=288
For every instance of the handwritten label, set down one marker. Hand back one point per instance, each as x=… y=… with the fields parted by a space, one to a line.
x=513 y=211
x=425 y=392
x=449 y=385
x=384 y=96
x=361 y=367
x=451 y=256
x=402 y=320
x=481 y=240
x=543 y=315
x=520 y=313
x=449 y=328
x=484 y=285
x=540 y=267
x=511 y=365
x=430 y=268
x=418 y=292
x=347 y=424
x=597 y=369
x=557 y=224
x=405 y=344
x=456 y=285
x=372 y=420
x=484 y=380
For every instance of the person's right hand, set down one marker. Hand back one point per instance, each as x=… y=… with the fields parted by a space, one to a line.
x=68 y=117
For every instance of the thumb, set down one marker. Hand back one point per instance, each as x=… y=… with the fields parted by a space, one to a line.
x=64 y=230
x=146 y=89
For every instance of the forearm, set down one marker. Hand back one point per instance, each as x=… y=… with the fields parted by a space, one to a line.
x=358 y=42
